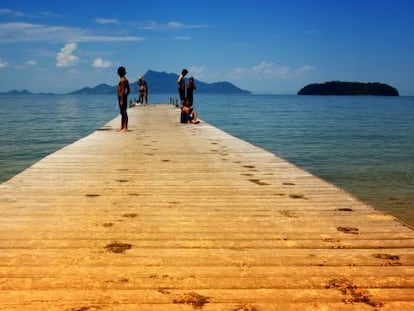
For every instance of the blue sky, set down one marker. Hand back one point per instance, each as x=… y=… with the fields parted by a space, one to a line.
x=265 y=46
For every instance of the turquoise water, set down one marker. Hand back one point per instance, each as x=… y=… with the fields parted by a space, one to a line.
x=362 y=144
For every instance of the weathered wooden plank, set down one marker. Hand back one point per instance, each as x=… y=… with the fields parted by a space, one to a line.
x=216 y=271
x=220 y=306
x=121 y=280
x=79 y=242
x=214 y=295
x=210 y=257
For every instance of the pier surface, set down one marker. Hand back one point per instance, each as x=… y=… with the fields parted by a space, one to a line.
x=187 y=217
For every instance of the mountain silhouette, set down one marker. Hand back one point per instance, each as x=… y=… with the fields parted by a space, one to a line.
x=164 y=83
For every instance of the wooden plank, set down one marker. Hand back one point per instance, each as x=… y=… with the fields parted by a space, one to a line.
x=176 y=217
x=79 y=242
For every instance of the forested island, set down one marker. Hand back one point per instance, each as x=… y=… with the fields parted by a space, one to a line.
x=349 y=88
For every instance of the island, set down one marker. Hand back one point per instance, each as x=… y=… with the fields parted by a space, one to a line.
x=349 y=88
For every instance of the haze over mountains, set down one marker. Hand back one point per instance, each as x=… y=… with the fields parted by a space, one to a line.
x=158 y=83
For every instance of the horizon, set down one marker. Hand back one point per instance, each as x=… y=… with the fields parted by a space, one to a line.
x=172 y=73
x=114 y=86
x=271 y=47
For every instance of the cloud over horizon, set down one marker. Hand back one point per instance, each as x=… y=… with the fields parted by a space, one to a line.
x=270 y=70
x=65 y=57
x=3 y=63
x=101 y=63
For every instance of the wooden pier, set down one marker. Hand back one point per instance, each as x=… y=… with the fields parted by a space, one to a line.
x=169 y=216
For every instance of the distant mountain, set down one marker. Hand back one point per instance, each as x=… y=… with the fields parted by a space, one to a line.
x=97 y=90
x=349 y=88
x=16 y=92
x=158 y=83
x=166 y=83
x=163 y=83
x=22 y=93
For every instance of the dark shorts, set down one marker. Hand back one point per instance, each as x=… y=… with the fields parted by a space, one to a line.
x=182 y=93
x=123 y=106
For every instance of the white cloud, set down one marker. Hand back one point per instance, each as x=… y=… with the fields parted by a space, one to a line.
x=47 y=14
x=25 y=32
x=101 y=63
x=65 y=57
x=3 y=63
x=197 y=71
x=11 y=12
x=103 y=21
x=30 y=63
x=182 y=38
x=27 y=64
x=90 y=38
x=270 y=70
x=175 y=25
x=304 y=69
x=152 y=25
x=14 y=13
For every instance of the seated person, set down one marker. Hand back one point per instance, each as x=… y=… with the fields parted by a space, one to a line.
x=188 y=114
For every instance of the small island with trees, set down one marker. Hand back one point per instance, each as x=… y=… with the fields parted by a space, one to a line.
x=349 y=88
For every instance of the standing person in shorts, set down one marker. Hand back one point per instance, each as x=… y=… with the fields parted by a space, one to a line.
x=123 y=92
x=181 y=85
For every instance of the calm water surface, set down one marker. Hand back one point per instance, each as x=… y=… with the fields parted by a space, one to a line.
x=362 y=144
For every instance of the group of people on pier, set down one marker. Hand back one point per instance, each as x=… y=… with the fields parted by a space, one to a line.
x=142 y=91
x=185 y=91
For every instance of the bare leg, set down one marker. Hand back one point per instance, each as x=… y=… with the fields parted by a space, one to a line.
x=195 y=117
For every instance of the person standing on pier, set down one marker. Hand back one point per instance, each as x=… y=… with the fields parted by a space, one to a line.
x=123 y=92
x=181 y=85
x=190 y=89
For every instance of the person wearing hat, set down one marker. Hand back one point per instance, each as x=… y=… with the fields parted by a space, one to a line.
x=123 y=92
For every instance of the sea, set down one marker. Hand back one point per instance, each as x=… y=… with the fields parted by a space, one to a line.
x=362 y=144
